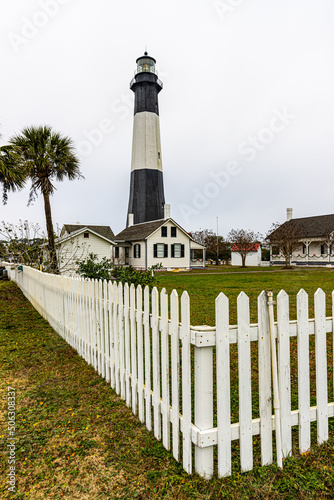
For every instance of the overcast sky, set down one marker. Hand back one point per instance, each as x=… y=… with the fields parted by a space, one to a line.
x=246 y=112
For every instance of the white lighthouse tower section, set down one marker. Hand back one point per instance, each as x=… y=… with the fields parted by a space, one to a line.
x=146 y=143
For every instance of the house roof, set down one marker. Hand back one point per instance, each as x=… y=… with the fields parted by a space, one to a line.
x=104 y=231
x=253 y=247
x=141 y=231
x=313 y=227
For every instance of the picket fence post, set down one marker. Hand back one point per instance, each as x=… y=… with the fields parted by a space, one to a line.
x=127 y=345
x=175 y=355
x=284 y=371
x=264 y=361
x=140 y=347
x=203 y=359
x=321 y=365
x=147 y=357
x=133 y=337
x=223 y=385
x=156 y=364
x=303 y=372
x=186 y=383
x=245 y=384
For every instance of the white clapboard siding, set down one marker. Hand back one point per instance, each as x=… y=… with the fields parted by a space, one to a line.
x=135 y=338
x=284 y=371
x=245 y=387
x=265 y=402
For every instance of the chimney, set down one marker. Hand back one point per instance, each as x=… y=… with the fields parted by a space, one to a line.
x=130 y=220
x=288 y=213
x=166 y=211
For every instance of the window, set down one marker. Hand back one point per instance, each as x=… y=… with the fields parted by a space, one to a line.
x=304 y=249
x=160 y=250
x=177 y=250
x=173 y=232
x=164 y=232
x=86 y=235
x=117 y=252
x=136 y=251
x=126 y=251
x=322 y=250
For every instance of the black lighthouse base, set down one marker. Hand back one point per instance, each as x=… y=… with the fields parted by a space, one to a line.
x=147 y=199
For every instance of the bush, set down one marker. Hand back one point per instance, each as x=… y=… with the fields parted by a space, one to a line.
x=91 y=268
x=132 y=276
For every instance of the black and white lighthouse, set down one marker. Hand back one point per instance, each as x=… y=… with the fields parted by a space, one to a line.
x=147 y=199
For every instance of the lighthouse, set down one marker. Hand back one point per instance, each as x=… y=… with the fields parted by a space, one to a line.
x=147 y=199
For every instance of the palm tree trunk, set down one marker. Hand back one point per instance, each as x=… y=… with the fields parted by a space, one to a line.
x=51 y=238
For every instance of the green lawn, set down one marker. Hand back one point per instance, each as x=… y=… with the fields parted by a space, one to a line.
x=203 y=288
x=78 y=440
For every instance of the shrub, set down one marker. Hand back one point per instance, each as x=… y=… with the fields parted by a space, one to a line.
x=91 y=268
x=132 y=276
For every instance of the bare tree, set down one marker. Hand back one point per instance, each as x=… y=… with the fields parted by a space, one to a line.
x=22 y=243
x=25 y=243
x=243 y=242
x=216 y=248
x=286 y=237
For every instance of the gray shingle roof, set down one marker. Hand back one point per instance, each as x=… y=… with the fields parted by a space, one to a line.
x=139 y=231
x=314 y=227
x=102 y=230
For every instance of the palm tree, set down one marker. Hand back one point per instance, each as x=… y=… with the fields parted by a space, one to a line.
x=43 y=156
x=11 y=176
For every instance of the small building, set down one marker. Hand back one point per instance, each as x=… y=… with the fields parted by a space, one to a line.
x=316 y=241
x=77 y=241
x=253 y=257
x=154 y=242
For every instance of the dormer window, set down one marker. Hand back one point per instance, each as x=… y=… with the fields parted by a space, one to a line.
x=164 y=232
x=173 y=232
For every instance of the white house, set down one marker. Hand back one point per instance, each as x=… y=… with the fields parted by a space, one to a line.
x=77 y=241
x=253 y=257
x=316 y=241
x=160 y=241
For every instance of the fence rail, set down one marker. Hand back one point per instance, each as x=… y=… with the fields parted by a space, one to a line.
x=177 y=378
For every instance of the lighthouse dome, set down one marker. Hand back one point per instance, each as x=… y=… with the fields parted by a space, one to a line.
x=146 y=64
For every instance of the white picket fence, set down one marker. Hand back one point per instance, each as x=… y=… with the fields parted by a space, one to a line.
x=163 y=367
